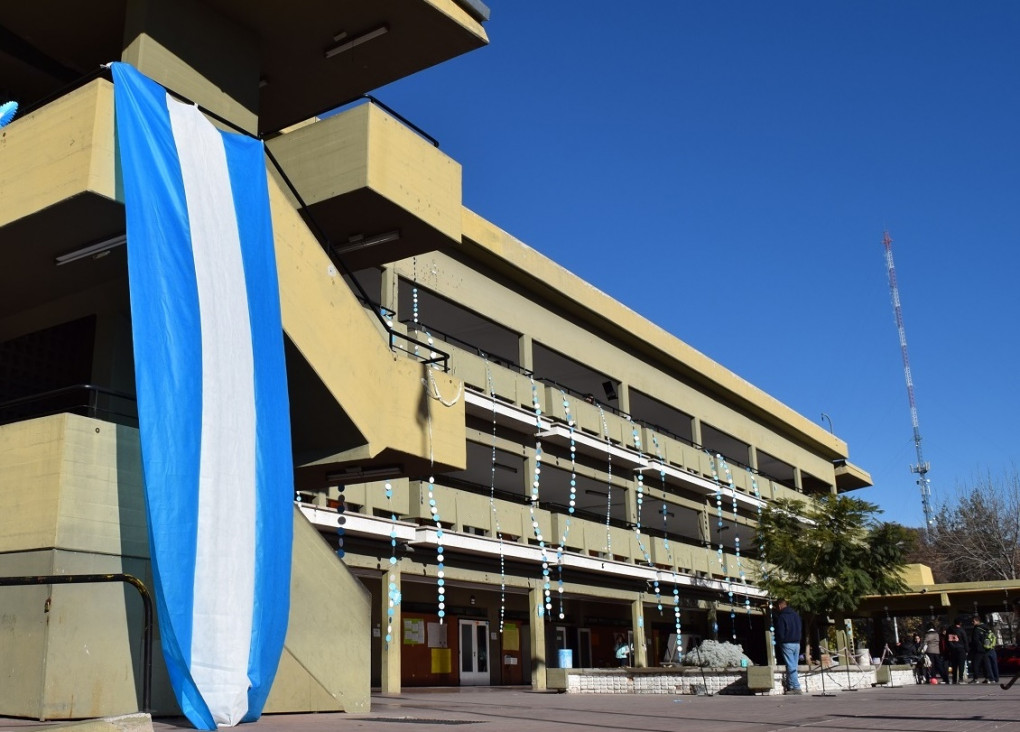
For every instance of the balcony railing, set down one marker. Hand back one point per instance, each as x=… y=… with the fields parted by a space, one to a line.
x=87 y=400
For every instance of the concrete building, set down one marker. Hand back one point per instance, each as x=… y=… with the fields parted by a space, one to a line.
x=592 y=477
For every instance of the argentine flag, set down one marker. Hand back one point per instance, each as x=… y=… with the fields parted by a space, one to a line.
x=212 y=398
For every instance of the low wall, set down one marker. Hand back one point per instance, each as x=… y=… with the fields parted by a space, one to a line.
x=720 y=681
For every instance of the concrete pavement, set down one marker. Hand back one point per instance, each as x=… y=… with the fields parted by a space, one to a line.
x=977 y=708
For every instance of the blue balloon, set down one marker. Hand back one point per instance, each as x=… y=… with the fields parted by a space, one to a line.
x=7 y=112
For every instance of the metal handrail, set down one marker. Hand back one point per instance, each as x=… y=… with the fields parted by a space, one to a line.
x=90 y=406
x=69 y=579
x=480 y=352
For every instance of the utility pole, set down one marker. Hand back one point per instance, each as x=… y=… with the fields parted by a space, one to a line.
x=921 y=468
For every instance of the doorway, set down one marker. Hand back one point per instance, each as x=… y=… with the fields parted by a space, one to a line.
x=474 y=652
x=584 y=647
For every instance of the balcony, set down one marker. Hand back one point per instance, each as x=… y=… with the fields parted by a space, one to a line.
x=375 y=187
x=263 y=65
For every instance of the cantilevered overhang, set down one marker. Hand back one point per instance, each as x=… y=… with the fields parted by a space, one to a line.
x=46 y=44
x=58 y=194
x=379 y=190
x=849 y=477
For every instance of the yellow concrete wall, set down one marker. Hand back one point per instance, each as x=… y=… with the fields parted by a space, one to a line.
x=73 y=504
x=326 y=664
x=414 y=174
x=526 y=315
x=381 y=391
x=58 y=151
x=365 y=147
x=223 y=76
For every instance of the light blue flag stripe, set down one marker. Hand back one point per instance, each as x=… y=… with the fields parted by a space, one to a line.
x=213 y=412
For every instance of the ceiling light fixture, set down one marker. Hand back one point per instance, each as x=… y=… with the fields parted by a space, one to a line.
x=360 y=241
x=92 y=250
x=347 y=45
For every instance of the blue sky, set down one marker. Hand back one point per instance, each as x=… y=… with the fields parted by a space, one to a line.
x=727 y=169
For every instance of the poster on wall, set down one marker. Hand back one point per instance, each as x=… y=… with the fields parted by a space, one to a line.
x=414 y=631
x=437 y=636
x=511 y=637
x=442 y=661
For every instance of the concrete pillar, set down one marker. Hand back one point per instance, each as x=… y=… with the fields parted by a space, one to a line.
x=525 y=353
x=536 y=634
x=623 y=397
x=184 y=44
x=390 y=666
x=712 y=618
x=630 y=496
x=637 y=621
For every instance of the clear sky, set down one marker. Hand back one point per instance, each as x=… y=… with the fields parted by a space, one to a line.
x=727 y=169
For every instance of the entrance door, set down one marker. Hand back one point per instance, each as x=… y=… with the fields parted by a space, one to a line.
x=474 y=652
x=584 y=647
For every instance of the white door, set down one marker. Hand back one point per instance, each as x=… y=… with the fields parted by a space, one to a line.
x=474 y=652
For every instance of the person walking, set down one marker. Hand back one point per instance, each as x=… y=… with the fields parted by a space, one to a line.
x=789 y=631
x=982 y=666
x=958 y=651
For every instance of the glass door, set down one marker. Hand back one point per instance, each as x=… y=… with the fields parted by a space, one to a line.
x=474 y=652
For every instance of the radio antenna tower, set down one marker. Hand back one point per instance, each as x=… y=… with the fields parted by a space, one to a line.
x=922 y=467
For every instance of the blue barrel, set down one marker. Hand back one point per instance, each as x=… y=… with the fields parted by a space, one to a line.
x=566 y=658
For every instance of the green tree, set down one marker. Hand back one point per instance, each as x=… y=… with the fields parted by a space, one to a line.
x=825 y=555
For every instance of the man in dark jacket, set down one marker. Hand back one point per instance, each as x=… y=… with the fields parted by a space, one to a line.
x=956 y=639
x=979 y=653
x=788 y=634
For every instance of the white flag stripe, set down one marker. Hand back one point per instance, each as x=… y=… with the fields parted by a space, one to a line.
x=224 y=591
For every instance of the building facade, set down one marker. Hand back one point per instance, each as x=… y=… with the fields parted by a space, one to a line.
x=498 y=468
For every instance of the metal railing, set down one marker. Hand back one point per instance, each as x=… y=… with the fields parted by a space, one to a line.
x=69 y=579
x=87 y=400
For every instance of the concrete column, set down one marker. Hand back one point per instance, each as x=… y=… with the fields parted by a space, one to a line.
x=637 y=621
x=525 y=354
x=390 y=667
x=184 y=44
x=696 y=431
x=630 y=496
x=623 y=397
x=712 y=617
x=770 y=648
x=536 y=634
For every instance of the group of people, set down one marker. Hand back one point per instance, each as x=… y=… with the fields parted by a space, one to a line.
x=948 y=653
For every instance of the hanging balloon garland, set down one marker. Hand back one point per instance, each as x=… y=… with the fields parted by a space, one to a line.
x=492 y=503
x=392 y=593
x=736 y=543
x=609 y=481
x=763 y=564
x=669 y=551
x=572 y=501
x=720 y=556
x=546 y=607
x=640 y=499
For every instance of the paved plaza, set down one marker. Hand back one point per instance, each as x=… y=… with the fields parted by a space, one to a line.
x=966 y=708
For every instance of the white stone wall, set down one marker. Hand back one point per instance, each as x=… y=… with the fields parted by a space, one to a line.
x=718 y=681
